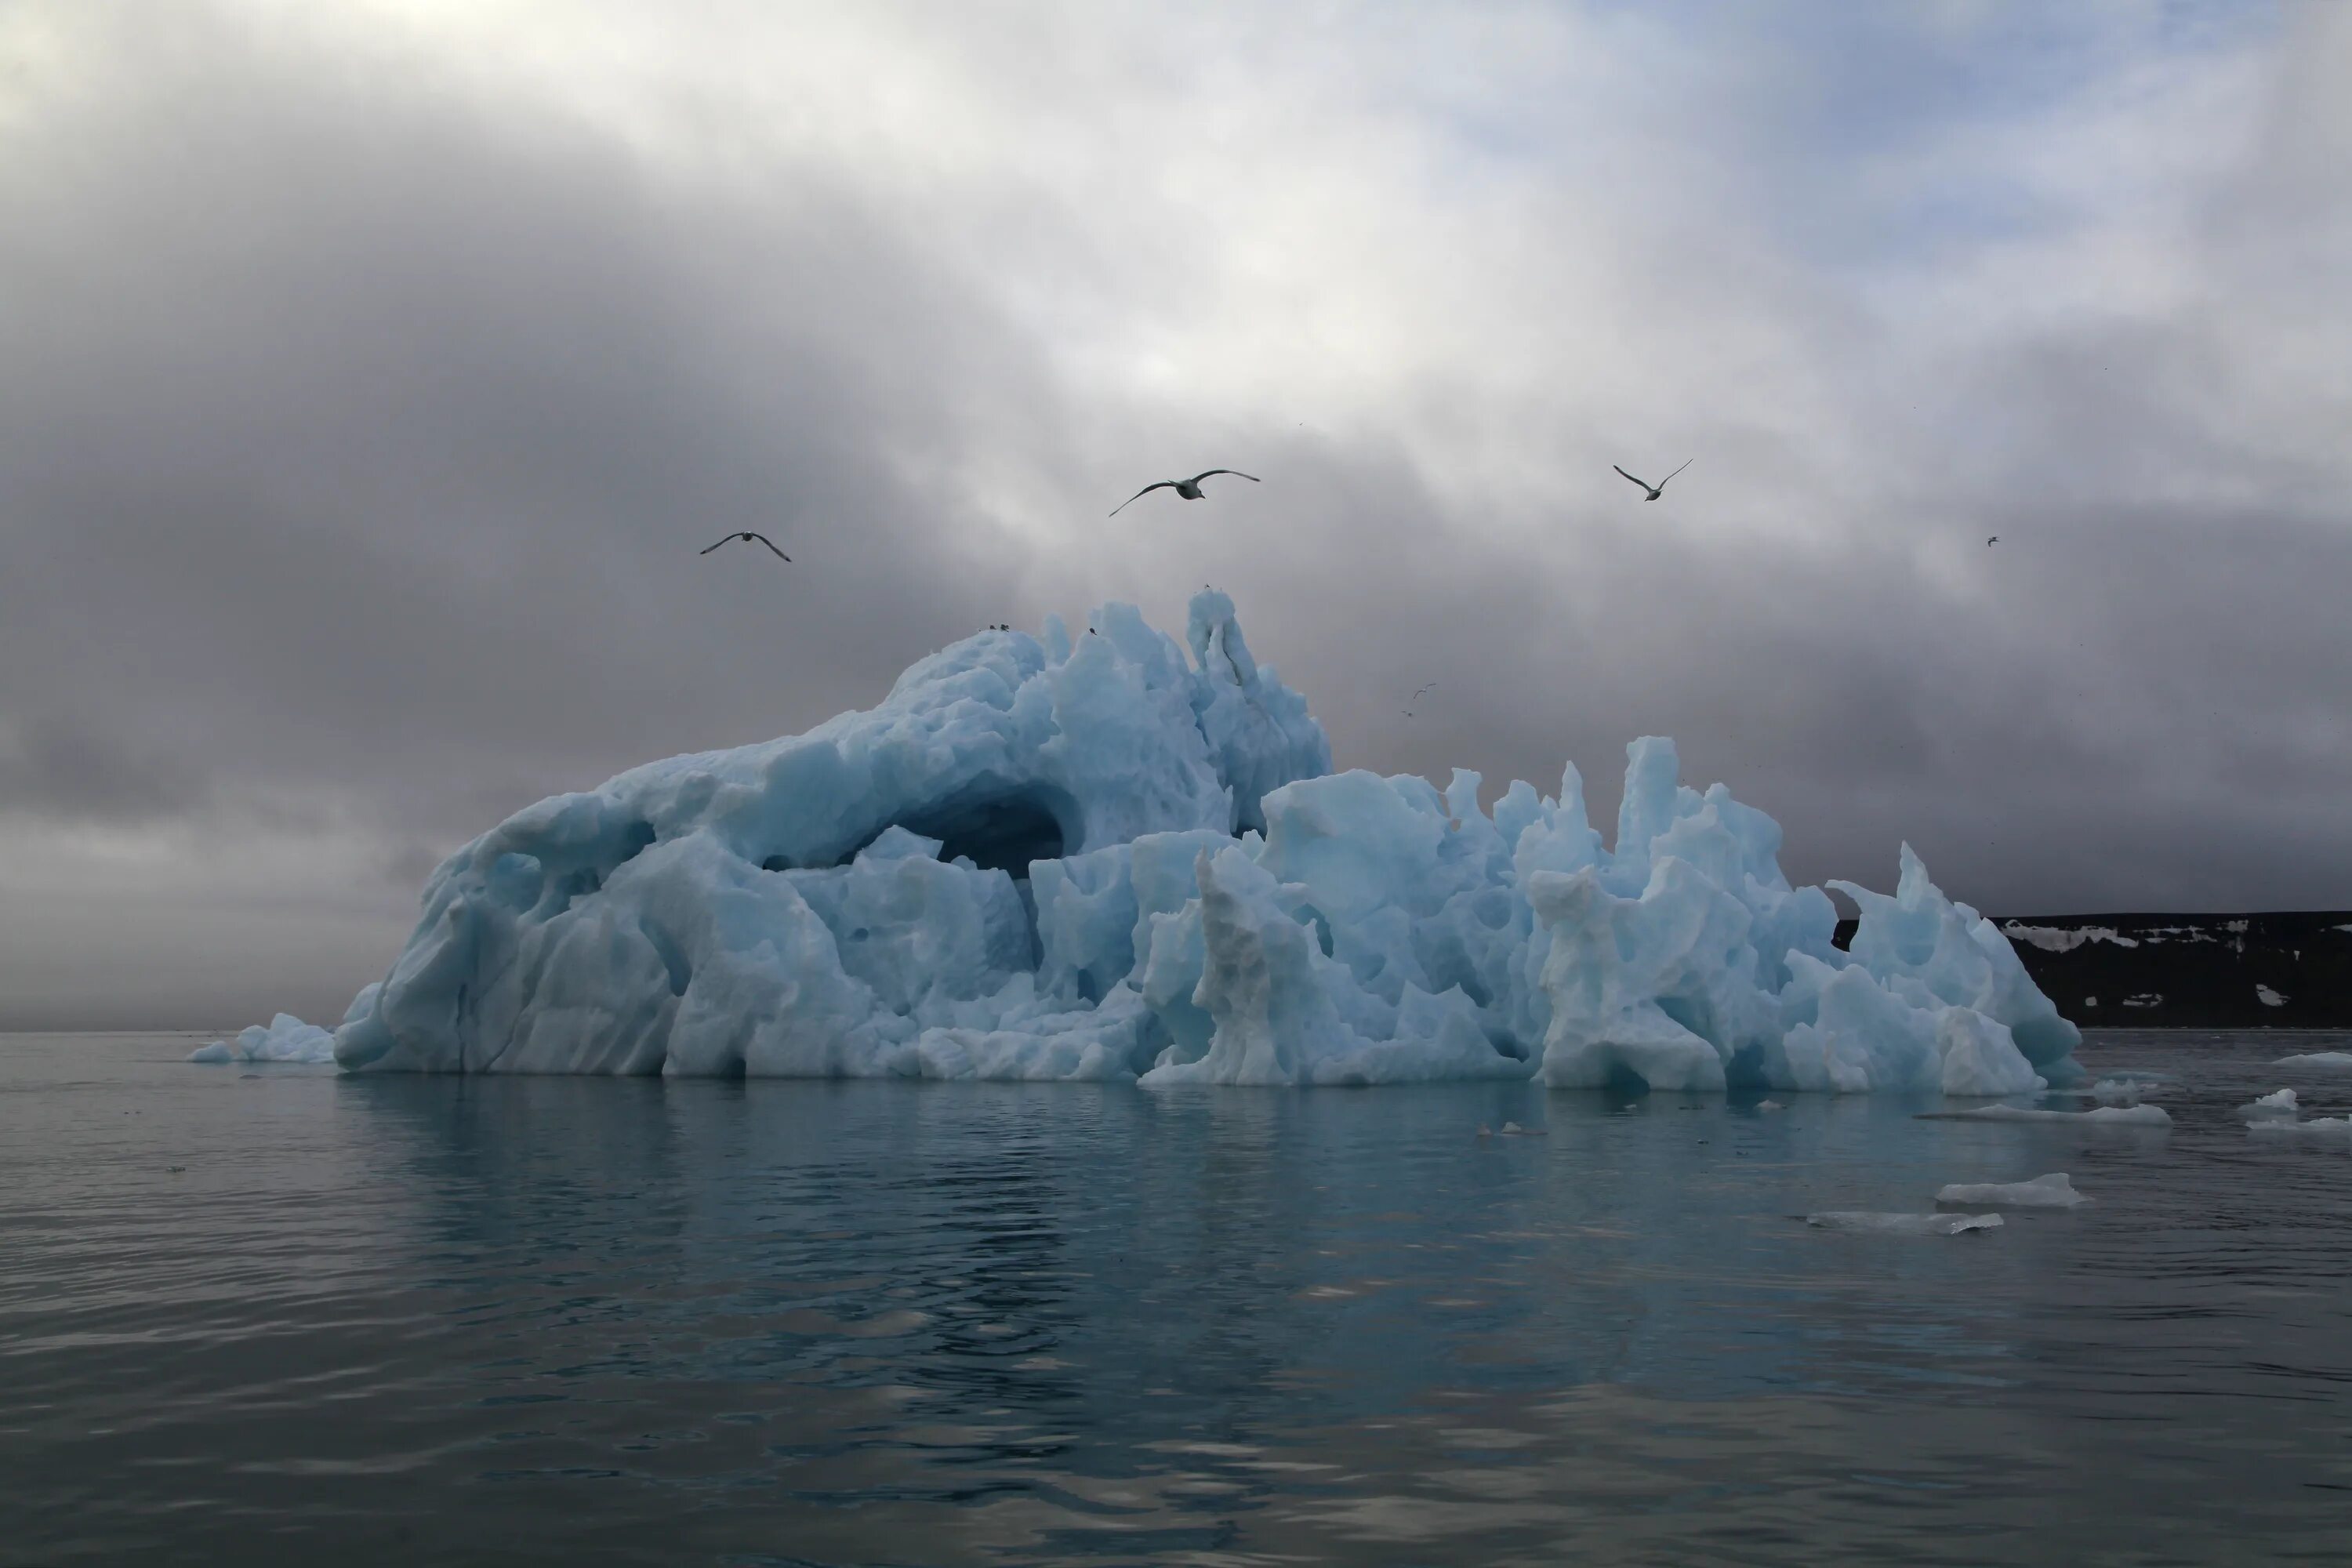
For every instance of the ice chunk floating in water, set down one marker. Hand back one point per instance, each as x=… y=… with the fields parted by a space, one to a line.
x=2105 y=1116
x=2277 y=1115
x=2123 y=1088
x=1117 y=856
x=2277 y=1105
x=1902 y=1223
x=284 y=1039
x=2054 y=1191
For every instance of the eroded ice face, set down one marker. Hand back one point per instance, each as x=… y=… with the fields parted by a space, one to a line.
x=1112 y=856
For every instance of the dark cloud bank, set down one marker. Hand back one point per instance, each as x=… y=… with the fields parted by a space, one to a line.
x=357 y=432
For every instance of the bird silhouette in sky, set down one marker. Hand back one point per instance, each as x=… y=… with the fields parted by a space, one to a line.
x=1659 y=489
x=1189 y=489
x=1993 y=541
x=747 y=533
x=1416 y=698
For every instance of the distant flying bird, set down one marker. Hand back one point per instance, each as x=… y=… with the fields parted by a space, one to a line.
x=1657 y=489
x=747 y=533
x=1416 y=698
x=1993 y=541
x=1189 y=489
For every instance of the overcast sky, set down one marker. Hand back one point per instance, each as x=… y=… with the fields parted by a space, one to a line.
x=371 y=374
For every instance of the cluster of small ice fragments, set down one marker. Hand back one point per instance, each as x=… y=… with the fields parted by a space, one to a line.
x=1094 y=856
x=2278 y=1114
x=2054 y=1191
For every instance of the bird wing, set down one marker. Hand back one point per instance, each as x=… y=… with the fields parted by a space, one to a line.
x=1162 y=485
x=1236 y=473
x=1686 y=463
x=715 y=546
x=1643 y=483
x=769 y=542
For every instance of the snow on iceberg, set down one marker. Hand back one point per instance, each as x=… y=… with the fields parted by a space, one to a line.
x=284 y=1039
x=1115 y=856
x=2327 y=1060
x=2054 y=1191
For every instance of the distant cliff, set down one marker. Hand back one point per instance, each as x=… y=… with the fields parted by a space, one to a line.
x=2187 y=971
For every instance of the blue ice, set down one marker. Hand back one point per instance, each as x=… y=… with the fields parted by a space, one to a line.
x=1114 y=855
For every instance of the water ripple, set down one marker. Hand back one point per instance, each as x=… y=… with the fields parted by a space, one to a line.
x=548 y=1320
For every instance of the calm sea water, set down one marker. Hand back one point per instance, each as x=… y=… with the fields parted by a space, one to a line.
x=281 y=1315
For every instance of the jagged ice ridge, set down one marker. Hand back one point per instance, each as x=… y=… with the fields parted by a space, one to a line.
x=1059 y=857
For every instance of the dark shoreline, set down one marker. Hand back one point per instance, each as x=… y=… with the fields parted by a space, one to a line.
x=2188 y=971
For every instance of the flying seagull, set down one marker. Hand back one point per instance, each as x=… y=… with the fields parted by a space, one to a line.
x=747 y=533
x=1416 y=698
x=1189 y=489
x=1993 y=541
x=1657 y=489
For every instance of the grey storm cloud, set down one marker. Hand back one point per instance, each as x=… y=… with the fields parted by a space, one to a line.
x=369 y=381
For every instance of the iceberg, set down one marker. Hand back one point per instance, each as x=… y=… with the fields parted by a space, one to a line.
x=1115 y=856
x=2328 y=1060
x=2054 y=1191
x=284 y=1039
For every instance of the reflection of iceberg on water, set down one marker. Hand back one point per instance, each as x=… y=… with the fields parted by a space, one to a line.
x=1095 y=856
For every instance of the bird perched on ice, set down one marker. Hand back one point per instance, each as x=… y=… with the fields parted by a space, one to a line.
x=747 y=533
x=1659 y=489
x=1189 y=489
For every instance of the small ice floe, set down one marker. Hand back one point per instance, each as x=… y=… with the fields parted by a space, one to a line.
x=284 y=1039
x=2123 y=1088
x=1513 y=1130
x=2318 y=1129
x=1902 y=1223
x=2054 y=1191
x=2278 y=1107
x=1769 y=1105
x=2332 y=1061
x=2105 y=1116
x=2268 y=997
x=1485 y=1130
